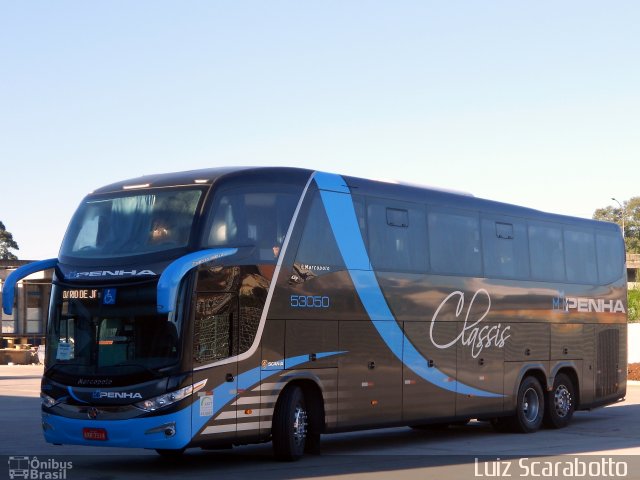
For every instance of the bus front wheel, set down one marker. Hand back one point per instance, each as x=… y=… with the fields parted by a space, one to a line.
x=290 y=425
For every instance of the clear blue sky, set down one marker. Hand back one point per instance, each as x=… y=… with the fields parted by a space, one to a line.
x=530 y=102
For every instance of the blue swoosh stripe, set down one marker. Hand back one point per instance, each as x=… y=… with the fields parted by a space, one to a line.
x=338 y=204
x=223 y=394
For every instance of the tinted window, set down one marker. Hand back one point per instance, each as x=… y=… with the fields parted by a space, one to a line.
x=132 y=224
x=397 y=236
x=610 y=257
x=454 y=242
x=546 y=252
x=504 y=246
x=126 y=335
x=317 y=245
x=580 y=256
x=215 y=328
x=250 y=217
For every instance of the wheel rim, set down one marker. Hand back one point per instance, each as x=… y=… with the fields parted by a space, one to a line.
x=562 y=401
x=299 y=425
x=530 y=405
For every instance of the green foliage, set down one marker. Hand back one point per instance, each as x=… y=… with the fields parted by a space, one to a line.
x=629 y=214
x=633 y=304
x=7 y=243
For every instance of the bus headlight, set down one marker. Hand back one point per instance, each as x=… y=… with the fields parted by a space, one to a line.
x=48 y=401
x=167 y=399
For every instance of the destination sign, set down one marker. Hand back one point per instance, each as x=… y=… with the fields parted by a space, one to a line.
x=81 y=294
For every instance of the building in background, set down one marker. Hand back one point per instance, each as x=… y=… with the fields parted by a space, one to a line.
x=28 y=323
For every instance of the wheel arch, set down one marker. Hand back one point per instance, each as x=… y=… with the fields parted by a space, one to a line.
x=313 y=397
x=532 y=370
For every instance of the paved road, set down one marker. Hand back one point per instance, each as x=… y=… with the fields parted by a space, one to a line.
x=610 y=435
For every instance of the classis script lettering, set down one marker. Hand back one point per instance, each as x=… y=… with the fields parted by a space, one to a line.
x=474 y=334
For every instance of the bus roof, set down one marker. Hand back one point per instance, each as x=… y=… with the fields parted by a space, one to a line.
x=396 y=190
x=207 y=176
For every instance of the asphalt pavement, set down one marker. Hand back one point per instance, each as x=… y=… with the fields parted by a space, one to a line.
x=604 y=442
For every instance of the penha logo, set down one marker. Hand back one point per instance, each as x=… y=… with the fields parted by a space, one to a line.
x=565 y=304
x=474 y=334
x=111 y=273
x=99 y=395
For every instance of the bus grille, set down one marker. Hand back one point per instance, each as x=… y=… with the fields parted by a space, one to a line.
x=607 y=363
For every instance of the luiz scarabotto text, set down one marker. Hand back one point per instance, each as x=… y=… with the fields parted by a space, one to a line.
x=579 y=467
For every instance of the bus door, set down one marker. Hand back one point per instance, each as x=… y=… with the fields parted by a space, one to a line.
x=215 y=343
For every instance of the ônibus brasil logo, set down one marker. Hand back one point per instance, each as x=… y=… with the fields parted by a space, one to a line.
x=33 y=468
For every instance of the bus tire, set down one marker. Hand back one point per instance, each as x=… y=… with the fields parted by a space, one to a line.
x=560 y=403
x=289 y=427
x=529 y=406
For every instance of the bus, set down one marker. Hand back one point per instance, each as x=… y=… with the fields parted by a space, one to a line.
x=230 y=306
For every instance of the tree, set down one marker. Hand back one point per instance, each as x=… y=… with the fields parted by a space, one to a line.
x=629 y=215
x=7 y=243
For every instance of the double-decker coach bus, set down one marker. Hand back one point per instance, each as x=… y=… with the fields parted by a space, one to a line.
x=230 y=306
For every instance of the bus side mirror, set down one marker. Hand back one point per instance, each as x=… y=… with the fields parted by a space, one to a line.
x=170 y=279
x=9 y=288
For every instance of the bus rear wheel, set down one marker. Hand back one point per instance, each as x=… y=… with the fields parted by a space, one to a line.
x=529 y=406
x=290 y=425
x=560 y=403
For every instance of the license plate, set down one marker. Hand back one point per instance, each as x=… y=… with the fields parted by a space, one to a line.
x=94 y=434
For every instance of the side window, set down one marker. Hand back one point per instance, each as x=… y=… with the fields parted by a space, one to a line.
x=247 y=217
x=318 y=246
x=397 y=233
x=580 y=256
x=215 y=328
x=610 y=257
x=504 y=246
x=546 y=252
x=454 y=242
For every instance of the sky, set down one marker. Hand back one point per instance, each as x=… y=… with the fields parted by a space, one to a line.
x=535 y=103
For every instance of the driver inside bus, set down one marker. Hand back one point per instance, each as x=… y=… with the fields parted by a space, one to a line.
x=161 y=232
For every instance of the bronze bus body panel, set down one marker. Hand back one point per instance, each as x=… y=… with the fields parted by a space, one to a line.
x=480 y=335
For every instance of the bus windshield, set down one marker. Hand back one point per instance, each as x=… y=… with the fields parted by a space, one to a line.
x=131 y=224
x=110 y=330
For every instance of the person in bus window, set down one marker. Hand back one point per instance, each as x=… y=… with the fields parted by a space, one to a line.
x=162 y=232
